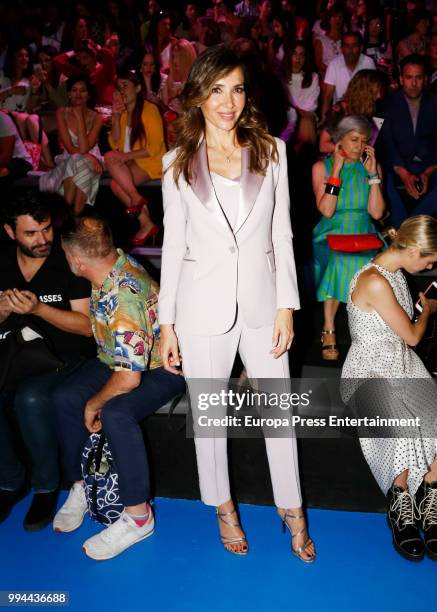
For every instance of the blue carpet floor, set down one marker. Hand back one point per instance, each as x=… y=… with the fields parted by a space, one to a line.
x=183 y=567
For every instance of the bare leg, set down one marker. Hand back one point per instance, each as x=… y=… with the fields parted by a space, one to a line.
x=146 y=223
x=122 y=175
x=431 y=476
x=401 y=480
x=306 y=130
x=120 y=194
x=79 y=201
x=229 y=532
x=295 y=525
x=69 y=190
x=32 y=125
x=330 y=308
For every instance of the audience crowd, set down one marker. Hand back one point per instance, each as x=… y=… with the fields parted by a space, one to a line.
x=91 y=91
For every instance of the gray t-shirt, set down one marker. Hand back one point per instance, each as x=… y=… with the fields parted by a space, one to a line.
x=7 y=128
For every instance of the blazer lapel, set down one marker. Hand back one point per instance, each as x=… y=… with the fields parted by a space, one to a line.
x=250 y=185
x=202 y=185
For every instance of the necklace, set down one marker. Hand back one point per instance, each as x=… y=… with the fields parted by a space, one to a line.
x=228 y=157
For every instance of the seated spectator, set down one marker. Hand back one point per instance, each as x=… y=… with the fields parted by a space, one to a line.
x=301 y=24
x=152 y=8
x=358 y=18
x=185 y=28
x=14 y=80
x=327 y=45
x=15 y=161
x=348 y=195
x=376 y=45
x=37 y=288
x=418 y=40
x=85 y=60
x=409 y=137
x=54 y=26
x=75 y=32
x=77 y=173
x=121 y=53
x=226 y=20
x=151 y=78
x=246 y=8
x=115 y=391
x=137 y=140
x=207 y=34
x=264 y=22
x=303 y=89
x=364 y=91
x=48 y=89
x=279 y=45
x=159 y=37
x=433 y=63
x=342 y=68
x=182 y=56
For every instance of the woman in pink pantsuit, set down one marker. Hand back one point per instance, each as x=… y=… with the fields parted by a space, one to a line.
x=228 y=278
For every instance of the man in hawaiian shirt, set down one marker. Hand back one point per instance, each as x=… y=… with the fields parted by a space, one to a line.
x=115 y=391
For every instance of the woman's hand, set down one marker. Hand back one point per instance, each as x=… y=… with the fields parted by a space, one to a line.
x=97 y=166
x=118 y=106
x=170 y=349
x=35 y=84
x=283 y=333
x=338 y=160
x=429 y=306
x=370 y=163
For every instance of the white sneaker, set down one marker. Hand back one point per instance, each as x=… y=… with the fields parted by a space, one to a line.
x=70 y=516
x=117 y=537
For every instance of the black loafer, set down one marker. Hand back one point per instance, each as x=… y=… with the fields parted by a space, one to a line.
x=426 y=499
x=8 y=499
x=41 y=511
x=401 y=518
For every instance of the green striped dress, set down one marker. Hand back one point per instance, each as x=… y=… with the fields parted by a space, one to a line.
x=333 y=270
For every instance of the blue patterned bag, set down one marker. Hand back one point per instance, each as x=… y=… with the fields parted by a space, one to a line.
x=101 y=480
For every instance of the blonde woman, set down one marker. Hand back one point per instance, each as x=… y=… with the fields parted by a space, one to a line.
x=383 y=376
x=182 y=56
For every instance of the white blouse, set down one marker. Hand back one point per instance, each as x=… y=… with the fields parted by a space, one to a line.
x=228 y=194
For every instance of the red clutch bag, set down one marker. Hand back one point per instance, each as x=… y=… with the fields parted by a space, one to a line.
x=354 y=243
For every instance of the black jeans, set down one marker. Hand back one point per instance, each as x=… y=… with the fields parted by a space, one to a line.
x=120 y=419
x=33 y=410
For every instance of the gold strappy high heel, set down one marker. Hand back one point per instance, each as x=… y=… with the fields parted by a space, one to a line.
x=297 y=551
x=333 y=353
x=229 y=541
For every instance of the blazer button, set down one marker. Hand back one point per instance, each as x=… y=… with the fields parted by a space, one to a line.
x=232 y=249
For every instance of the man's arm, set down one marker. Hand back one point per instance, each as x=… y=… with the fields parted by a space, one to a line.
x=76 y=321
x=5 y=306
x=119 y=383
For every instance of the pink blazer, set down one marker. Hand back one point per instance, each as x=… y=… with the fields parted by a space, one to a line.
x=207 y=268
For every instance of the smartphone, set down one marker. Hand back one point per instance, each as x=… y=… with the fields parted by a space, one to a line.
x=340 y=150
x=364 y=157
x=430 y=293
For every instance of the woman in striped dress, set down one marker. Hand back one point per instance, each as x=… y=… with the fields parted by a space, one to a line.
x=348 y=195
x=77 y=173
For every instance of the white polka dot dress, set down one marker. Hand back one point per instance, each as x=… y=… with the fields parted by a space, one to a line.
x=396 y=384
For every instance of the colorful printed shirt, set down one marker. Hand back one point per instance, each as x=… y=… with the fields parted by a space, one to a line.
x=124 y=317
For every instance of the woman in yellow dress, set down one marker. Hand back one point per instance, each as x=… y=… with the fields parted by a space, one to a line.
x=137 y=142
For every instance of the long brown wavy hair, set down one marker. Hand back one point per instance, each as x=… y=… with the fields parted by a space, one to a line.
x=251 y=131
x=363 y=91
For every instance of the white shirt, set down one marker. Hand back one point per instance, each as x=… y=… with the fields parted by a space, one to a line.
x=305 y=98
x=330 y=48
x=228 y=194
x=7 y=128
x=339 y=75
x=127 y=133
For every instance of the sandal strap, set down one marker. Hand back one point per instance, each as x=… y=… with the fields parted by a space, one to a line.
x=301 y=549
x=223 y=514
x=327 y=331
x=226 y=540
